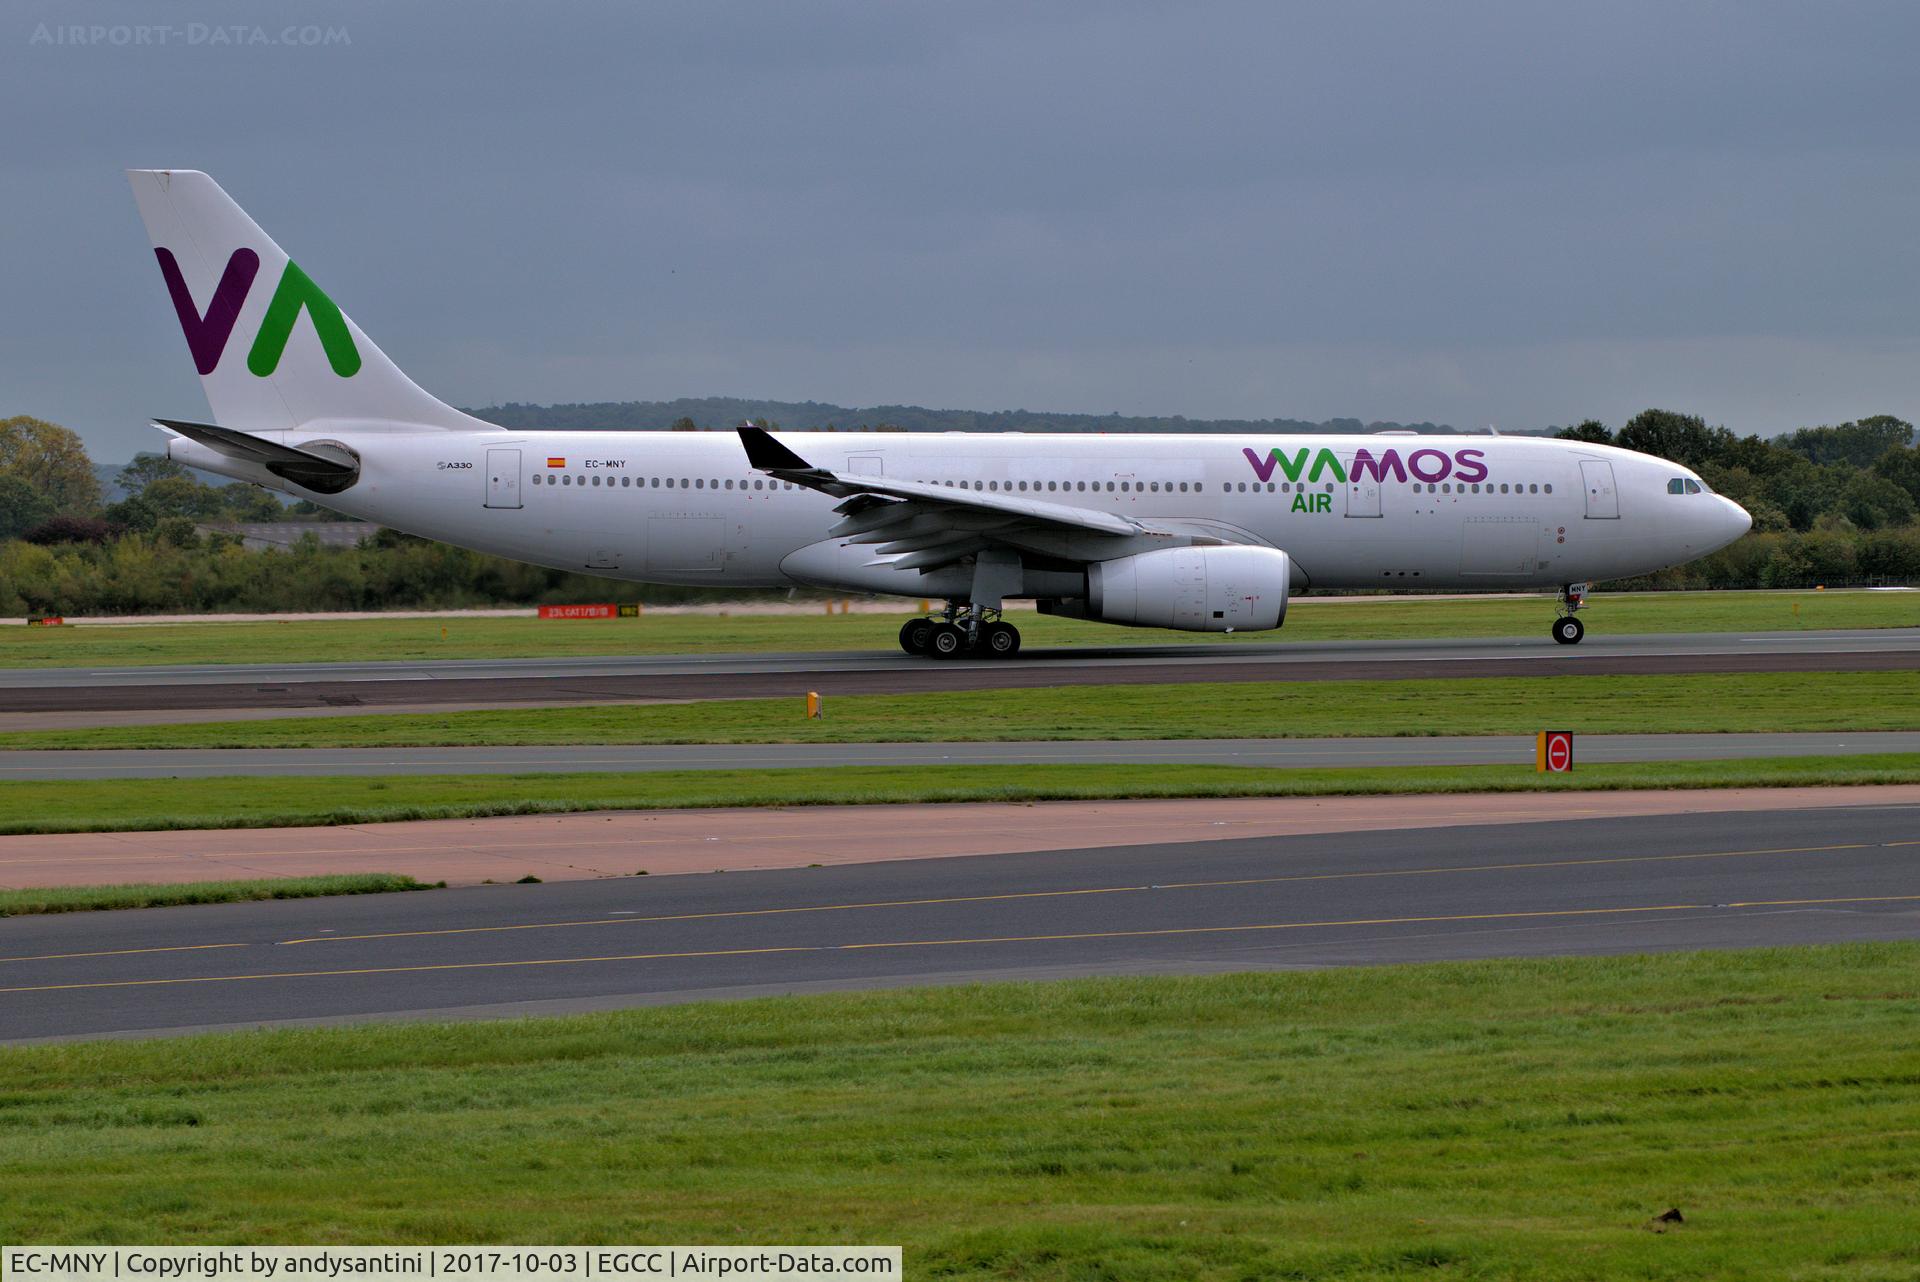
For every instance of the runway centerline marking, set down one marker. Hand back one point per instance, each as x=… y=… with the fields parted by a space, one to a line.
x=1534 y=915
x=1376 y=921
x=1069 y=893
x=122 y=952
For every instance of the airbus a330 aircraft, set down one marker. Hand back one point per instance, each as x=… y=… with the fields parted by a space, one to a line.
x=1200 y=533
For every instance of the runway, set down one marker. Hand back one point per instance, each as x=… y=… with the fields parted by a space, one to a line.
x=1613 y=885
x=720 y=676
x=1297 y=753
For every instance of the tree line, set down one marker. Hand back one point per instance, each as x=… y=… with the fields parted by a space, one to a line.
x=1832 y=504
x=50 y=492
x=1863 y=475
x=724 y=413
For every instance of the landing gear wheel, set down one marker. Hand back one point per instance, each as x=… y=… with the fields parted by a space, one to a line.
x=914 y=635
x=1569 y=630
x=1000 y=640
x=946 y=641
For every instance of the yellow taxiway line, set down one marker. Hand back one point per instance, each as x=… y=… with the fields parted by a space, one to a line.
x=1535 y=915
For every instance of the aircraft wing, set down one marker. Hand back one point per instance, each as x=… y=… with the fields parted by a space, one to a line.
x=926 y=526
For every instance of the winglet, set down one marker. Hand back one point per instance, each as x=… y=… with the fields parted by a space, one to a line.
x=768 y=455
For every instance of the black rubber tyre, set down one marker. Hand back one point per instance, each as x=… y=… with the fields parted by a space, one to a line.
x=1000 y=640
x=914 y=634
x=1569 y=630
x=946 y=641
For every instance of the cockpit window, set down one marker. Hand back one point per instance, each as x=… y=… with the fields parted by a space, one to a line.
x=1693 y=486
x=1676 y=486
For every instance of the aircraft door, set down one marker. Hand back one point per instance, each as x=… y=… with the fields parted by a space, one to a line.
x=1363 y=493
x=739 y=542
x=503 y=478
x=1603 y=501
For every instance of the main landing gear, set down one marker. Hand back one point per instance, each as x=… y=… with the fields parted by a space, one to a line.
x=1567 y=629
x=961 y=630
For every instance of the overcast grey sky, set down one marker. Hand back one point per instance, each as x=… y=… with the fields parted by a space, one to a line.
x=1516 y=213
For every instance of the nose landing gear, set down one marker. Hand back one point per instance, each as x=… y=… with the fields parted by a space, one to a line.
x=1567 y=629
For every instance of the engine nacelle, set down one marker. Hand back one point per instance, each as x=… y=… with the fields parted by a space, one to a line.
x=1233 y=588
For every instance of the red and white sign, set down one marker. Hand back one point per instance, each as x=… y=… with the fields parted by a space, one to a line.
x=578 y=611
x=1555 y=752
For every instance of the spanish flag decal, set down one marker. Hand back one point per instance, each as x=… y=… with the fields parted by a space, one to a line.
x=556 y=462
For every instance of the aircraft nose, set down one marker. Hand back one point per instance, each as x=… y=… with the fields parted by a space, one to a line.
x=1736 y=519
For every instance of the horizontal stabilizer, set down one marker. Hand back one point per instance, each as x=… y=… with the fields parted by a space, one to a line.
x=324 y=467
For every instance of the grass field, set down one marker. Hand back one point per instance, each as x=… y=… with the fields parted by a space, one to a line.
x=119 y=805
x=1488 y=1120
x=77 y=899
x=1850 y=701
x=1308 y=620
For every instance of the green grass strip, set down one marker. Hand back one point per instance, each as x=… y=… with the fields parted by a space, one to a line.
x=1501 y=1119
x=80 y=899
x=108 y=805
x=1717 y=703
x=1383 y=618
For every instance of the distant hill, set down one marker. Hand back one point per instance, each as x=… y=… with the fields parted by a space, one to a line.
x=722 y=412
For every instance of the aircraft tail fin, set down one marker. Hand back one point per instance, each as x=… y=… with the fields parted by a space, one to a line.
x=272 y=349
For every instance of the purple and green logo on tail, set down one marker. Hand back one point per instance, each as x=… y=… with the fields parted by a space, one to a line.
x=207 y=333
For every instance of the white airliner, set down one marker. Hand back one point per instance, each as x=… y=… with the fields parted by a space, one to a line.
x=1201 y=533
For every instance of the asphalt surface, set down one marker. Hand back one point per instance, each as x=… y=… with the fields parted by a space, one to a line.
x=1599 y=886
x=159 y=763
x=711 y=676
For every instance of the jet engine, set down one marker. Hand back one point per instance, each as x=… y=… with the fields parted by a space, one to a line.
x=1231 y=588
